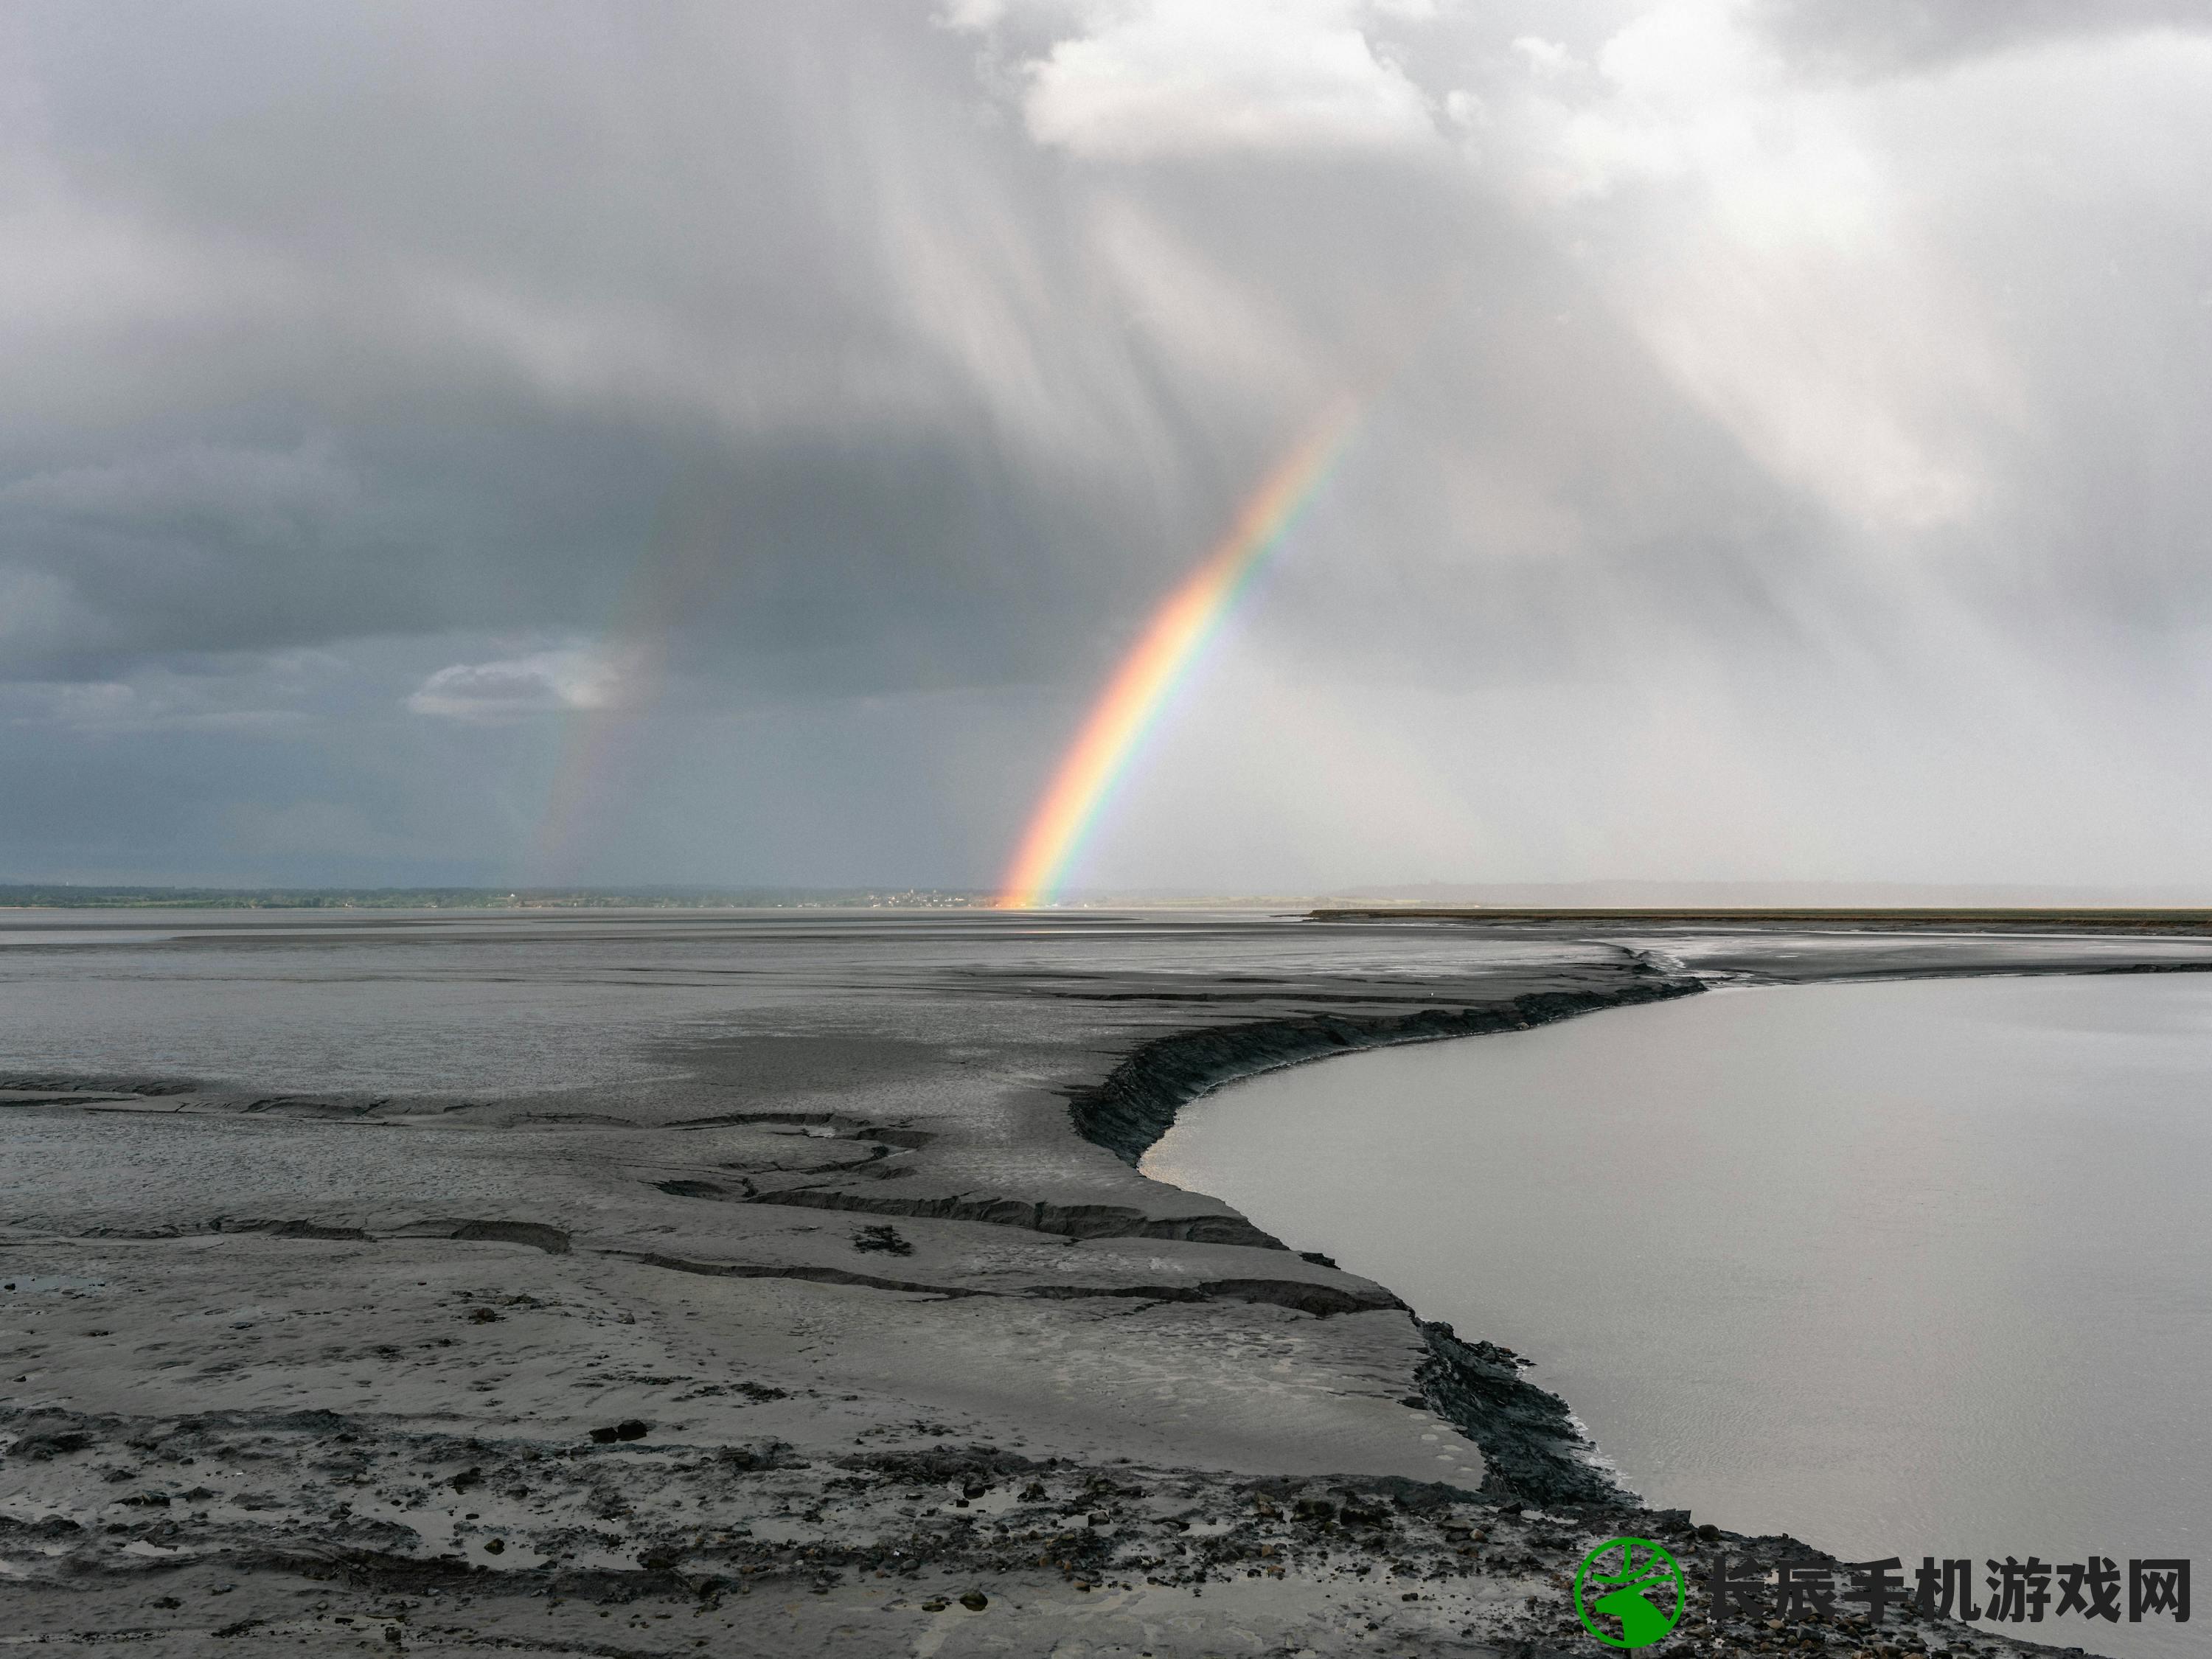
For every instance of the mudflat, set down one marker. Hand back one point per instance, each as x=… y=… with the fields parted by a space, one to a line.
x=850 y=1328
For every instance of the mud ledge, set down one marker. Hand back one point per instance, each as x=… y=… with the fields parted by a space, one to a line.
x=1532 y=1447
x=1137 y=1104
x=1060 y=1220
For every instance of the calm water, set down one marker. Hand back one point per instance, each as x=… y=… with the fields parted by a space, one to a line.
x=1903 y=1268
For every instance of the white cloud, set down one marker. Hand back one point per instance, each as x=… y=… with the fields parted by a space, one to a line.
x=1197 y=313
x=1768 y=254
x=972 y=13
x=543 y=682
x=1545 y=57
x=1143 y=79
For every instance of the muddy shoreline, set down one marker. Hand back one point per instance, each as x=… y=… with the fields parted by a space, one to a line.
x=790 y=1355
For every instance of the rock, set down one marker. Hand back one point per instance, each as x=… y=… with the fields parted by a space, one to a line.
x=629 y=1429
x=40 y=1446
x=974 y=1601
x=935 y=1604
x=691 y=1189
x=763 y=1455
x=885 y=1239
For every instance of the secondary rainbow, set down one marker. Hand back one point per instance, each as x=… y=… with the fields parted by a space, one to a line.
x=1144 y=683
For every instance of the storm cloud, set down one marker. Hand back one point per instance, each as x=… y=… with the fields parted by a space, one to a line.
x=730 y=444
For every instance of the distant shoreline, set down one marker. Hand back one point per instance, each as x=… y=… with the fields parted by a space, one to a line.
x=2066 y=919
x=63 y=895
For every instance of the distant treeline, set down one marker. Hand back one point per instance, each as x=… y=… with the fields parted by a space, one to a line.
x=72 y=896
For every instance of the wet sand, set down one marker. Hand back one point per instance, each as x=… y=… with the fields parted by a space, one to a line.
x=856 y=1310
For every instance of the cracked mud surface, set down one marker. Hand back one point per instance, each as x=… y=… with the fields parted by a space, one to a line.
x=855 y=1308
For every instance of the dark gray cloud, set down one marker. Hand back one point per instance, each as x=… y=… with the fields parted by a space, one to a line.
x=402 y=405
x=366 y=323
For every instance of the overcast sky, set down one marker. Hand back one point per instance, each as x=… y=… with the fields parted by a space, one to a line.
x=588 y=442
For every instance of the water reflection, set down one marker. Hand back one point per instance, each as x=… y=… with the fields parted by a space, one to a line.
x=1900 y=1268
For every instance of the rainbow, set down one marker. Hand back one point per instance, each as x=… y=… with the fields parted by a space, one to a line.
x=1144 y=683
